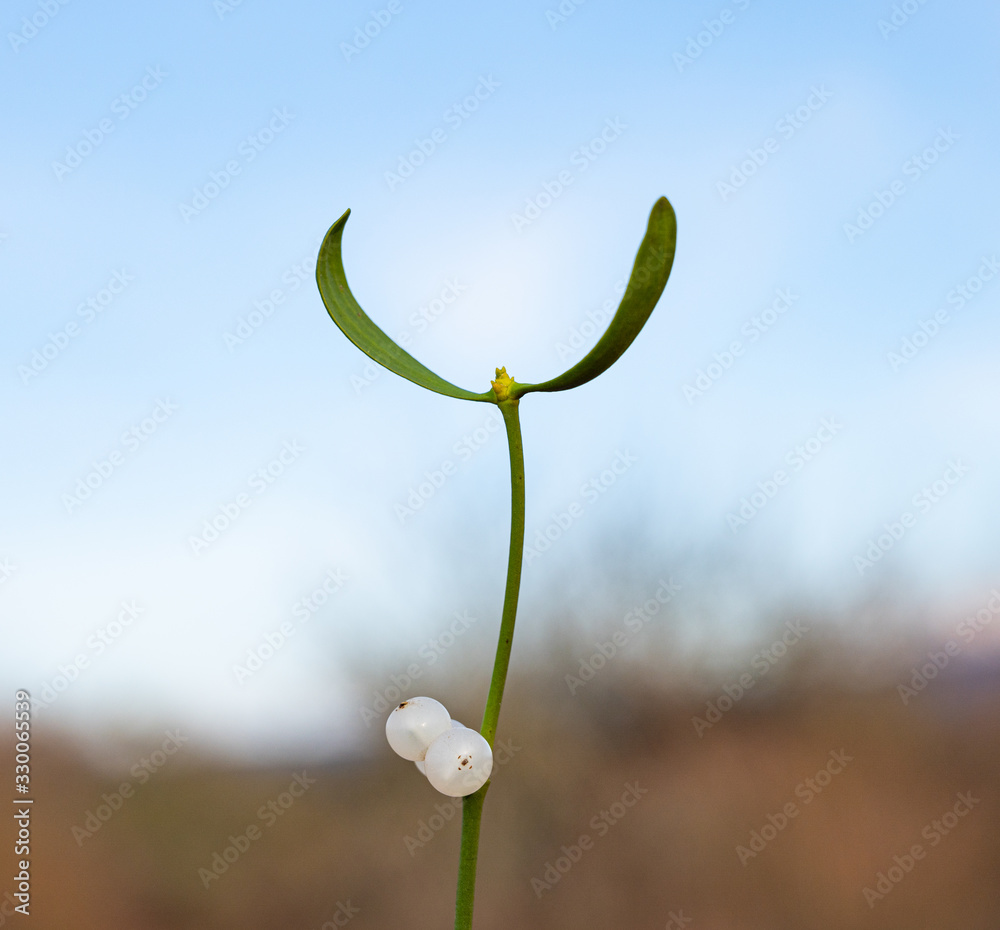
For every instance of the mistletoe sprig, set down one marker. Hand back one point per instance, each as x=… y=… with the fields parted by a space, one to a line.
x=420 y=729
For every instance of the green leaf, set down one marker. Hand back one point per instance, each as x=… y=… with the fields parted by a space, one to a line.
x=649 y=277
x=358 y=327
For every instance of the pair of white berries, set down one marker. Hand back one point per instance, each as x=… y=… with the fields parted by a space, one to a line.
x=456 y=760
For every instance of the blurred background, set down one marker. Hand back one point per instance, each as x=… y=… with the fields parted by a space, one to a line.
x=755 y=678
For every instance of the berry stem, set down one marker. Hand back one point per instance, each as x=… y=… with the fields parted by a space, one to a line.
x=472 y=805
x=509 y=410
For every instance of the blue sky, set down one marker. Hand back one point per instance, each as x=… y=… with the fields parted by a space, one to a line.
x=169 y=174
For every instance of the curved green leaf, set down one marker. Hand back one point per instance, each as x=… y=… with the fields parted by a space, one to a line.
x=358 y=327
x=649 y=277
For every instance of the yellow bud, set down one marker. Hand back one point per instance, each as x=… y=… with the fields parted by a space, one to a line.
x=501 y=387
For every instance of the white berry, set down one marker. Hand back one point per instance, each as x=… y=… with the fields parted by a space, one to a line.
x=419 y=763
x=458 y=762
x=413 y=725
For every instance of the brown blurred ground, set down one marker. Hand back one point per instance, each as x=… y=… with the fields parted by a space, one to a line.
x=672 y=855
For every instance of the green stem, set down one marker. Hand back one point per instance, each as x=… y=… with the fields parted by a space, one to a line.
x=514 y=557
x=472 y=814
x=472 y=805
